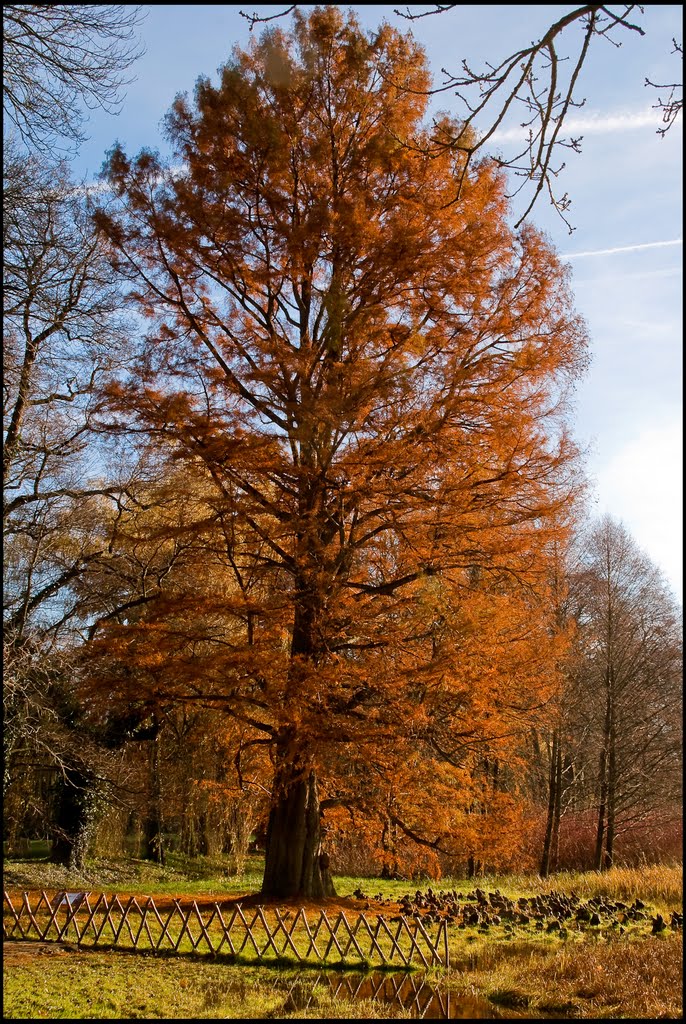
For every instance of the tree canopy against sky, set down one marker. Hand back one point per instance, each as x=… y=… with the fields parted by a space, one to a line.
x=541 y=80
x=371 y=375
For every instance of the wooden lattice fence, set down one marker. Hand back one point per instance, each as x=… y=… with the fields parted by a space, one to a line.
x=257 y=933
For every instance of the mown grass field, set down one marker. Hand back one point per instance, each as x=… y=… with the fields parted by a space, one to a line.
x=595 y=973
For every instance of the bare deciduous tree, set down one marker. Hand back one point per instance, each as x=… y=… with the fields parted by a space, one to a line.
x=62 y=331
x=625 y=736
x=60 y=58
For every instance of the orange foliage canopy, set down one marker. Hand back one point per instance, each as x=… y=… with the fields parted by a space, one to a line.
x=372 y=379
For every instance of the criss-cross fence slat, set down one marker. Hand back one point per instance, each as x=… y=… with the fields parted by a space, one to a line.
x=263 y=933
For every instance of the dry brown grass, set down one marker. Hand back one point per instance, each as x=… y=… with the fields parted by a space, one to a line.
x=655 y=883
x=640 y=980
x=637 y=979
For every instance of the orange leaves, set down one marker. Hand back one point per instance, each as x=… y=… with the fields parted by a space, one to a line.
x=369 y=375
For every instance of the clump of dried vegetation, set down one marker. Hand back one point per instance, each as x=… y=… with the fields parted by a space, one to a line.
x=640 y=980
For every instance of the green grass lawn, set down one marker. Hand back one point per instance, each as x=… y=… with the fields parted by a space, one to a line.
x=594 y=973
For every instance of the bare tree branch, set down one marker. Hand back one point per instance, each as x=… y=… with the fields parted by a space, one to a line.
x=533 y=77
x=256 y=19
x=672 y=106
x=59 y=58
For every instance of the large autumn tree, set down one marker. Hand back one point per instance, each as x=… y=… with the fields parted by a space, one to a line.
x=373 y=378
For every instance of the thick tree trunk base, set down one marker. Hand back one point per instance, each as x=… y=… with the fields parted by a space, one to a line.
x=74 y=822
x=294 y=863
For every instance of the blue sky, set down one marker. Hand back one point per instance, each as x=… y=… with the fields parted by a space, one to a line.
x=625 y=251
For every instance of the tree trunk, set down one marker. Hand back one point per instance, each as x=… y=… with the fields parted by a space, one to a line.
x=551 y=843
x=552 y=788
x=389 y=840
x=608 y=859
x=603 y=779
x=602 y=808
x=75 y=818
x=294 y=863
x=557 y=809
x=153 y=846
x=474 y=866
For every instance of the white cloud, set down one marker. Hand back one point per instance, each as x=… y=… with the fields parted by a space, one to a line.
x=642 y=485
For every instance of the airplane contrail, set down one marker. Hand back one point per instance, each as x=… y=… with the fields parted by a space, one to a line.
x=592 y=123
x=621 y=248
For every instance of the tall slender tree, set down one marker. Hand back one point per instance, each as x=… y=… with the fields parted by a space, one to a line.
x=62 y=328
x=632 y=673
x=372 y=376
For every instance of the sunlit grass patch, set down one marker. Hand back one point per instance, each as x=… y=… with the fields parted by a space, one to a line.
x=593 y=980
x=655 y=883
x=114 y=985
